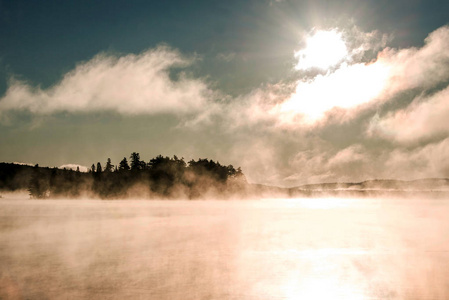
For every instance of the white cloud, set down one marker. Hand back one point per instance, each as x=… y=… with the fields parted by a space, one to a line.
x=426 y=117
x=351 y=88
x=354 y=85
x=364 y=46
x=419 y=67
x=357 y=163
x=130 y=84
x=347 y=87
x=302 y=110
x=272 y=128
x=23 y=164
x=328 y=164
x=74 y=167
x=349 y=155
x=431 y=160
x=310 y=166
x=141 y=84
x=257 y=107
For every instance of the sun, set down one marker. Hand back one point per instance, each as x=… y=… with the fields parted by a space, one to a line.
x=323 y=49
x=345 y=84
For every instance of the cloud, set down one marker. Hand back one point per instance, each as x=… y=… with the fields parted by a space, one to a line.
x=364 y=46
x=258 y=107
x=277 y=132
x=23 y=164
x=354 y=84
x=130 y=84
x=141 y=84
x=431 y=160
x=349 y=155
x=424 y=118
x=282 y=126
x=74 y=167
x=311 y=164
x=330 y=164
x=356 y=163
x=273 y=116
x=422 y=67
x=348 y=87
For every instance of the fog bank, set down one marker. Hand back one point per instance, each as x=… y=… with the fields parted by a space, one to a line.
x=319 y=248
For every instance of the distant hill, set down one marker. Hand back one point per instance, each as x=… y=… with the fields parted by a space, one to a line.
x=435 y=187
x=426 y=184
x=377 y=187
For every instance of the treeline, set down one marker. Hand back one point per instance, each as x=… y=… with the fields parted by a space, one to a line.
x=161 y=177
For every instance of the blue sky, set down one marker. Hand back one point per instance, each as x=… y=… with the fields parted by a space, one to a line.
x=41 y=40
x=220 y=60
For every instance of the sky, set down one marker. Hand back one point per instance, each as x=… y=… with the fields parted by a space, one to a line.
x=294 y=92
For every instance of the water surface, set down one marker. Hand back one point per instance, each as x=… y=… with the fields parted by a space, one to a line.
x=264 y=249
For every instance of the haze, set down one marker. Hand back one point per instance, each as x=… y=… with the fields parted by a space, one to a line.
x=334 y=100
x=294 y=92
x=260 y=249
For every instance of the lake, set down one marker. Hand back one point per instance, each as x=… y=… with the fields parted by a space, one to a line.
x=323 y=248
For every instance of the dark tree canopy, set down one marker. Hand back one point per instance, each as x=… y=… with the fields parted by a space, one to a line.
x=38 y=186
x=136 y=163
x=99 y=169
x=161 y=177
x=123 y=166
x=109 y=167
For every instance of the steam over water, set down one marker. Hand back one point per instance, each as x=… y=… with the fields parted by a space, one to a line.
x=267 y=249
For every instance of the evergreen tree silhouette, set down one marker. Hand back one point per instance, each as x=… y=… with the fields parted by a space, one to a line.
x=166 y=173
x=97 y=180
x=163 y=176
x=109 y=166
x=99 y=169
x=38 y=186
x=136 y=163
x=123 y=166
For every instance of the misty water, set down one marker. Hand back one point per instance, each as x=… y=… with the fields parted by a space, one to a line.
x=262 y=249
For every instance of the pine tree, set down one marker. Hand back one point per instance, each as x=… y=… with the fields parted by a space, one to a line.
x=38 y=186
x=109 y=166
x=136 y=163
x=123 y=166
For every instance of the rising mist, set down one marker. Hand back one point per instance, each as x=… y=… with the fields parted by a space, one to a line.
x=322 y=248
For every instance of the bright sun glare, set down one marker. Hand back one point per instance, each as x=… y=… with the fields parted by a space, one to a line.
x=346 y=86
x=323 y=50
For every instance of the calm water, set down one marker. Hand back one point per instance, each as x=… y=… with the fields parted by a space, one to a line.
x=267 y=249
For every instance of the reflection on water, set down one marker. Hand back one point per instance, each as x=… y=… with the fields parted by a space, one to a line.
x=268 y=249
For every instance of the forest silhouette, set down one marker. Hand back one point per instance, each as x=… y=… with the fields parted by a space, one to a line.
x=174 y=178
x=161 y=177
